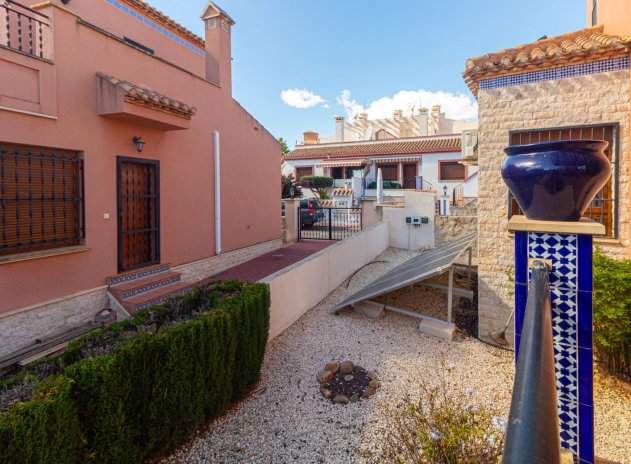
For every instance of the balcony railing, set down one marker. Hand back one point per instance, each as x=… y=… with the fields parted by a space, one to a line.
x=533 y=423
x=415 y=183
x=24 y=29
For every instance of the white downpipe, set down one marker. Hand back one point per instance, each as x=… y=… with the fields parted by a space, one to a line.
x=217 y=156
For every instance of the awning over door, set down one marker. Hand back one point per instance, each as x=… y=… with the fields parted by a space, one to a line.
x=342 y=163
x=396 y=159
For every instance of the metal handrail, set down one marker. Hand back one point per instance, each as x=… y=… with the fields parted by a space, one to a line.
x=31 y=10
x=533 y=422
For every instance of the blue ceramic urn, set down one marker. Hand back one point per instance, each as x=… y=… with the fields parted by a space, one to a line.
x=556 y=181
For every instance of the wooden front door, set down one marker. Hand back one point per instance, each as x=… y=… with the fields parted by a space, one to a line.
x=409 y=176
x=138 y=213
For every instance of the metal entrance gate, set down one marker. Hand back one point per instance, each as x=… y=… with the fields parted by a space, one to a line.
x=318 y=223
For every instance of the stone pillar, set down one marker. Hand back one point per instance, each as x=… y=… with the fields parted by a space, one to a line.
x=567 y=249
x=372 y=213
x=292 y=214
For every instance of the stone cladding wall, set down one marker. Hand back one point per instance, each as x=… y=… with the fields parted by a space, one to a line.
x=577 y=101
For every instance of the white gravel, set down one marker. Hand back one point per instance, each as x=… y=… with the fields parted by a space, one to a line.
x=286 y=420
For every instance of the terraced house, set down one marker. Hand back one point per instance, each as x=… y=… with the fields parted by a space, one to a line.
x=569 y=87
x=121 y=147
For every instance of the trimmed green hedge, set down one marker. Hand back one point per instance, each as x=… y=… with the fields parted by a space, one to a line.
x=387 y=184
x=317 y=182
x=612 y=313
x=45 y=429
x=161 y=383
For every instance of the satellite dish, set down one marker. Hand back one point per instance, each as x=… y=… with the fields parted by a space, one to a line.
x=368 y=132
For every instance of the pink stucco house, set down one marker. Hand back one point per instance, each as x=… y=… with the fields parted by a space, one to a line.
x=121 y=158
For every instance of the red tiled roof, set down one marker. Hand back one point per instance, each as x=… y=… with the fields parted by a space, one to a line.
x=146 y=97
x=166 y=21
x=585 y=45
x=418 y=145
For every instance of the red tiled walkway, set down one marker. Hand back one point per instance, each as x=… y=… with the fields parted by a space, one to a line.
x=269 y=263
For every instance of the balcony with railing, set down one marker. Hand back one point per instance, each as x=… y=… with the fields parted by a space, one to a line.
x=409 y=183
x=24 y=30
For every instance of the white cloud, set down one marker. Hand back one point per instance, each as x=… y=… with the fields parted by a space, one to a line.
x=302 y=98
x=456 y=106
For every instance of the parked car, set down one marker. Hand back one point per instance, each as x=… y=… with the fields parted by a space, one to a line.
x=310 y=212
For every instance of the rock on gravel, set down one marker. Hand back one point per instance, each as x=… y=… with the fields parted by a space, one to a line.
x=287 y=420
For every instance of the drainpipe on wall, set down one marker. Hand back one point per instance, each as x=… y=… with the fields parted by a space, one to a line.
x=217 y=158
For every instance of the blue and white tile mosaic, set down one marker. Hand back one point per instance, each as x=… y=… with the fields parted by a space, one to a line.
x=568 y=415
x=133 y=13
x=616 y=64
x=562 y=250
x=162 y=299
x=151 y=286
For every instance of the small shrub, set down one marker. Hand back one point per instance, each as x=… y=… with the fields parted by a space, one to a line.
x=140 y=386
x=612 y=313
x=317 y=182
x=444 y=426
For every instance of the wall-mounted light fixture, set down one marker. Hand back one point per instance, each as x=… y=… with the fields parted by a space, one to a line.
x=140 y=143
x=444 y=189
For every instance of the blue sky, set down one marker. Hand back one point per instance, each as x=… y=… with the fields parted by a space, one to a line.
x=316 y=50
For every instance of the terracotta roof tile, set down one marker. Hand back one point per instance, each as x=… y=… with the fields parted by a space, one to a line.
x=417 y=145
x=585 y=45
x=146 y=97
x=166 y=21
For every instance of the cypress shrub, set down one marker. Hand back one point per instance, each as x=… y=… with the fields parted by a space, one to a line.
x=612 y=313
x=142 y=386
x=44 y=429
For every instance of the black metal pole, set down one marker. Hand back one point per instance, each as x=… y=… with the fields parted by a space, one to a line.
x=533 y=422
x=330 y=226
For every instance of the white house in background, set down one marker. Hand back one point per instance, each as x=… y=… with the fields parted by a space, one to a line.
x=419 y=152
x=418 y=163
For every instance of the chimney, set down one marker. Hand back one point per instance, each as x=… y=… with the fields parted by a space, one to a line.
x=397 y=113
x=339 y=128
x=423 y=122
x=435 y=124
x=363 y=116
x=310 y=138
x=218 y=27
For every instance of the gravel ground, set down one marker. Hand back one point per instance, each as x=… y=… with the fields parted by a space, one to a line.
x=286 y=420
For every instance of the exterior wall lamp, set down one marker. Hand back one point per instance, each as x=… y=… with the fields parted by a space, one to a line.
x=444 y=189
x=139 y=142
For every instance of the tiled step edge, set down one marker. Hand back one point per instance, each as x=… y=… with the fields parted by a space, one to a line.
x=139 y=274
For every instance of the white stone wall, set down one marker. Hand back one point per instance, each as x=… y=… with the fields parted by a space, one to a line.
x=593 y=99
x=22 y=327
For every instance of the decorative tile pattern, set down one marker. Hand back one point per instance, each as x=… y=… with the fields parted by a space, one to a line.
x=562 y=250
x=564 y=317
x=615 y=64
x=133 y=13
x=568 y=415
x=139 y=274
x=151 y=286
x=566 y=365
x=162 y=299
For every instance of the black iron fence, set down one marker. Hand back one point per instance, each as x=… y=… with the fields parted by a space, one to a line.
x=23 y=29
x=533 y=423
x=329 y=223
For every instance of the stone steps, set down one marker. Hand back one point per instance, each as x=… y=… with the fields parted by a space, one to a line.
x=148 y=286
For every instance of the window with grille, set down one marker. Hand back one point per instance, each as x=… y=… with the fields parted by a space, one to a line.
x=41 y=199
x=451 y=171
x=604 y=207
x=303 y=171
